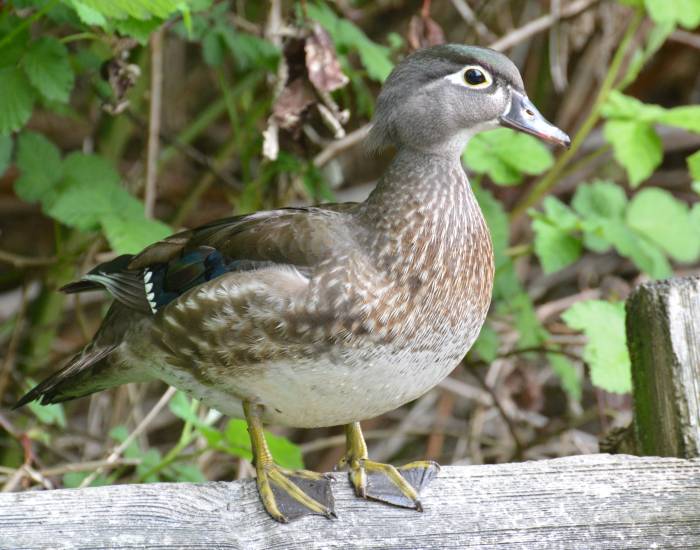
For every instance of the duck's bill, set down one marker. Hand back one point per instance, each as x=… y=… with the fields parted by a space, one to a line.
x=522 y=115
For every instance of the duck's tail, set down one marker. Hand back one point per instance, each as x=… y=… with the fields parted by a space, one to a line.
x=96 y=368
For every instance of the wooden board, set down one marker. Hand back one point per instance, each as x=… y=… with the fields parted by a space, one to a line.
x=584 y=502
x=663 y=336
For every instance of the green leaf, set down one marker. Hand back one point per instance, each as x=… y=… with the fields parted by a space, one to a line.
x=138 y=29
x=237 y=440
x=133 y=234
x=49 y=69
x=139 y=9
x=636 y=146
x=248 y=51
x=505 y=155
x=5 y=153
x=560 y=215
x=181 y=406
x=149 y=460
x=567 y=373
x=285 y=453
x=90 y=191
x=486 y=345
x=72 y=480
x=49 y=414
x=16 y=99
x=530 y=330
x=665 y=220
x=213 y=49
x=187 y=472
x=646 y=255
x=348 y=37
x=686 y=117
x=683 y=12
x=603 y=323
x=694 y=165
x=621 y=106
x=600 y=199
x=555 y=247
x=496 y=219
x=40 y=166
x=695 y=216
x=87 y=14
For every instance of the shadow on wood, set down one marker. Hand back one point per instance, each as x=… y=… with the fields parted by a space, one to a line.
x=583 y=502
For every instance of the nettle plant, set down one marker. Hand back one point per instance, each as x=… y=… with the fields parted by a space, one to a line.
x=53 y=56
x=650 y=226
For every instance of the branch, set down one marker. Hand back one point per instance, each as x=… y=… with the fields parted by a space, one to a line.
x=154 y=121
x=540 y=24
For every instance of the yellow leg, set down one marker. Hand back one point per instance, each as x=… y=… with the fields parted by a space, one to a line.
x=383 y=482
x=286 y=494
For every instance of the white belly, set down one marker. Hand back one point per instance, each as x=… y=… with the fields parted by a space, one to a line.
x=336 y=389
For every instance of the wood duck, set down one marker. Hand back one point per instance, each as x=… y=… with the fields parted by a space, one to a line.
x=325 y=315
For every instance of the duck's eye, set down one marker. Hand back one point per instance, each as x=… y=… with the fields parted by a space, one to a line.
x=474 y=77
x=471 y=76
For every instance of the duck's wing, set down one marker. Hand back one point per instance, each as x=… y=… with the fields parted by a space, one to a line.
x=289 y=237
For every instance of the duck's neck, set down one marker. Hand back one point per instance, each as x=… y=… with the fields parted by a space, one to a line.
x=423 y=210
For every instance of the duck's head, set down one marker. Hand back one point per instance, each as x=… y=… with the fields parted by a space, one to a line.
x=439 y=97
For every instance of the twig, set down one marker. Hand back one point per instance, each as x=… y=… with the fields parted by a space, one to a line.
x=25 y=261
x=466 y=391
x=685 y=37
x=540 y=24
x=7 y=364
x=336 y=147
x=506 y=418
x=154 y=121
x=190 y=152
x=70 y=468
x=436 y=440
x=468 y=15
x=162 y=402
x=88 y=466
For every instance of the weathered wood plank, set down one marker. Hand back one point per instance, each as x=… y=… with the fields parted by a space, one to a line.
x=597 y=501
x=663 y=336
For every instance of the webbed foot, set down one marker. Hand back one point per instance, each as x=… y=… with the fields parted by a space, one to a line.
x=290 y=494
x=286 y=494
x=383 y=482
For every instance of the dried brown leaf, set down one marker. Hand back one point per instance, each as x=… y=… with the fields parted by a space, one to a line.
x=424 y=32
x=322 y=63
x=296 y=97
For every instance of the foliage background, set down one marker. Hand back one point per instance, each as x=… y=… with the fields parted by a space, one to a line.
x=122 y=121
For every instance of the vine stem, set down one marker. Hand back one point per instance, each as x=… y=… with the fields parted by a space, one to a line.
x=550 y=178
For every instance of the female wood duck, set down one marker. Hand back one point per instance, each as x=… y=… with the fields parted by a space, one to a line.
x=325 y=315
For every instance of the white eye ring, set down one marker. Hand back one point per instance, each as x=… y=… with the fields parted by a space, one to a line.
x=460 y=78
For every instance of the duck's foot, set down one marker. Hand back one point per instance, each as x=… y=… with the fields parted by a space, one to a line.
x=286 y=494
x=398 y=486
x=290 y=494
x=383 y=482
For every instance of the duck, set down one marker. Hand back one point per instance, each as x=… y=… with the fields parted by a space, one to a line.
x=324 y=315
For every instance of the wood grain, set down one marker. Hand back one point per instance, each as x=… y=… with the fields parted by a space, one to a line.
x=663 y=336
x=584 y=502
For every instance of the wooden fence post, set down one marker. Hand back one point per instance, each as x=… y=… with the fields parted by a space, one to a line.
x=663 y=337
